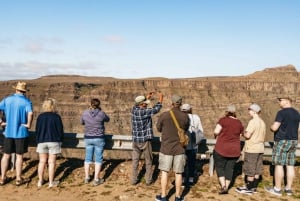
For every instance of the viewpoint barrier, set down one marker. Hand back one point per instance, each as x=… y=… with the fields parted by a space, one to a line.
x=73 y=146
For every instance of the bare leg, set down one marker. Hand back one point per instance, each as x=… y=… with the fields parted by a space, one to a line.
x=178 y=183
x=97 y=171
x=19 y=163
x=164 y=182
x=222 y=182
x=4 y=165
x=87 y=170
x=51 y=168
x=279 y=173
x=290 y=174
x=41 y=166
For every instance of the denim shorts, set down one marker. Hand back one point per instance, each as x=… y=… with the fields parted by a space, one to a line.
x=168 y=162
x=94 y=147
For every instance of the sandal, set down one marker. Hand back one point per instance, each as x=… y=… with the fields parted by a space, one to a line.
x=22 y=181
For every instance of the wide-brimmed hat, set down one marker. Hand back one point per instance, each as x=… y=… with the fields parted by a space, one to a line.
x=21 y=86
x=141 y=99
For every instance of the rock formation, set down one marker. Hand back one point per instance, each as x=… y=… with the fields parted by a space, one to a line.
x=209 y=96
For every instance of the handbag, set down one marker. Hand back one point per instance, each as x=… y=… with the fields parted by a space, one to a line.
x=183 y=138
x=199 y=136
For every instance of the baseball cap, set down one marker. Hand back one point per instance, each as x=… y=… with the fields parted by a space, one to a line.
x=254 y=107
x=141 y=99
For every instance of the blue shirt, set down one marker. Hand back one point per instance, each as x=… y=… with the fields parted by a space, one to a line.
x=16 y=107
x=142 y=122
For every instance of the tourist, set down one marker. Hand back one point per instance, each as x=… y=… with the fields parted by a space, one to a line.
x=227 y=149
x=142 y=134
x=49 y=135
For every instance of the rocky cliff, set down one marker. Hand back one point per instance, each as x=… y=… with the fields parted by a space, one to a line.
x=209 y=96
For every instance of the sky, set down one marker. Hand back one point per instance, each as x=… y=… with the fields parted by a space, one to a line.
x=147 y=38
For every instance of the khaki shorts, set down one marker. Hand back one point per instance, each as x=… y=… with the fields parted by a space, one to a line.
x=49 y=148
x=168 y=162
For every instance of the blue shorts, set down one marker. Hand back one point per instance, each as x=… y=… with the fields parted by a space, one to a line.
x=94 y=148
x=284 y=152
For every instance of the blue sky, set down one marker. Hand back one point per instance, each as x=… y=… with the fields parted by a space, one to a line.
x=147 y=38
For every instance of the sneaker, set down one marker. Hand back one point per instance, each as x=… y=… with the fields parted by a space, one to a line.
x=98 y=182
x=179 y=199
x=39 y=184
x=159 y=198
x=244 y=190
x=87 y=180
x=288 y=191
x=53 y=184
x=273 y=191
x=223 y=191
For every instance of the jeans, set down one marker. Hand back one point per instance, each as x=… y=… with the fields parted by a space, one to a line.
x=94 y=147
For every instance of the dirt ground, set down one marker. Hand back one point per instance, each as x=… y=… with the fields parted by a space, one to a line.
x=117 y=184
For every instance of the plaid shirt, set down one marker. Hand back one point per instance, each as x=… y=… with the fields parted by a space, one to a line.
x=141 y=119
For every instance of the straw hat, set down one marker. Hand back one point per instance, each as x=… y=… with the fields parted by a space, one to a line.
x=21 y=86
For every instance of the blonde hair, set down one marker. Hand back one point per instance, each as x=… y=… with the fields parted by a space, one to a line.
x=49 y=105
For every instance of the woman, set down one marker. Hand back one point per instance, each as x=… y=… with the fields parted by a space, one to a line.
x=49 y=133
x=192 y=148
x=227 y=149
x=93 y=120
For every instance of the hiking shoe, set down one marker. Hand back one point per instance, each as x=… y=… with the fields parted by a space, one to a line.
x=288 y=191
x=179 y=199
x=159 y=198
x=273 y=191
x=53 y=184
x=244 y=190
x=98 y=182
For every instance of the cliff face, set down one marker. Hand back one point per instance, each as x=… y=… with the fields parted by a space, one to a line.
x=209 y=96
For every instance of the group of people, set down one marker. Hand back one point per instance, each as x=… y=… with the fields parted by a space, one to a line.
x=16 y=119
x=228 y=132
x=173 y=156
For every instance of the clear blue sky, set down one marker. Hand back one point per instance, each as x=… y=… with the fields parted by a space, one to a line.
x=147 y=38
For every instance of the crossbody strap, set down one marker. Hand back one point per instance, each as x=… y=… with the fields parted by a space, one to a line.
x=174 y=119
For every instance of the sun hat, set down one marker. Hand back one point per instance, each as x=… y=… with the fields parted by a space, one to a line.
x=254 y=107
x=21 y=86
x=186 y=107
x=141 y=99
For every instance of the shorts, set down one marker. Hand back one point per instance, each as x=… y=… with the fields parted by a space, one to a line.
x=15 y=145
x=253 y=164
x=94 y=148
x=168 y=162
x=284 y=152
x=49 y=148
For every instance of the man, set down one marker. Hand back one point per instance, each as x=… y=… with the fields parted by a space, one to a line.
x=19 y=114
x=172 y=153
x=285 y=128
x=253 y=150
x=142 y=134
